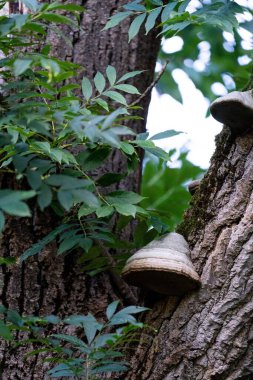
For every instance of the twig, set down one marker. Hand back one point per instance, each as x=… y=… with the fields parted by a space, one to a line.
x=124 y=289
x=249 y=85
x=150 y=87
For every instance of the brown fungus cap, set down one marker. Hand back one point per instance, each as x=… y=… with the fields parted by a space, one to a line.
x=234 y=110
x=163 y=266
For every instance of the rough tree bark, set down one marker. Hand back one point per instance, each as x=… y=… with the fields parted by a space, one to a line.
x=51 y=285
x=208 y=334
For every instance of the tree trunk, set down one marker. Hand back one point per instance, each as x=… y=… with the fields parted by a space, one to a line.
x=208 y=334
x=47 y=284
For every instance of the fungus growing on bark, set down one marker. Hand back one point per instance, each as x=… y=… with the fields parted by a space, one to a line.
x=193 y=186
x=234 y=109
x=163 y=266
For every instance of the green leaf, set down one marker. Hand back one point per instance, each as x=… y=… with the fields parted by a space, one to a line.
x=248 y=25
x=84 y=211
x=91 y=159
x=177 y=27
x=11 y=202
x=149 y=146
x=111 y=74
x=87 y=197
x=66 y=199
x=70 y=339
x=127 y=88
x=67 y=182
x=67 y=87
x=45 y=196
x=135 y=26
x=150 y=22
x=130 y=75
x=104 y=211
x=126 y=209
x=37 y=247
x=34 y=179
x=116 y=19
x=88 y=322
x=86 y=88
x=42 y=146
x=127 y=148
x=102 y=103
x=51 y=65
x=68 y=244
x=99 y=81
x=121 y=197
x=58 y=19
x=182 y=7
x=108 y=179
x=21 y=65
x=135 y=6
x=165 y=134
x=116 y=96
x=66 y=7
x=111 y=367
x=167 y=11
x=111 y=309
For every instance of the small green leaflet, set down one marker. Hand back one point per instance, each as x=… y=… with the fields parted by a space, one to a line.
x=123 y=197
x=135 y=6
x=182 y=7
x=152 y=17
x=167 y=11
x=126 y=209
x=116 y=96
x=99 y=82
x=21 y=65
x=104 y=211
x=135 y=26
x=165 y=134
x=111 y=309
x=150 y=147
x=86 y=88
x=127 y=148
x=111 y=74
x=37 y=247
x=11 y=202
x=130 y=75
x=116 y=19
x=127 y=88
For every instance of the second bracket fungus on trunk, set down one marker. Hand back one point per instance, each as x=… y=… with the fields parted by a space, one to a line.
x=234 y=110
x=163 y=266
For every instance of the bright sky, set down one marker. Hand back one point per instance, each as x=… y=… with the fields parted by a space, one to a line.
x=166 y=113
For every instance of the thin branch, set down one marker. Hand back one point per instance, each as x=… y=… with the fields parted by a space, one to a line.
x=123 y=287
x=151 y=86
x=249 y=85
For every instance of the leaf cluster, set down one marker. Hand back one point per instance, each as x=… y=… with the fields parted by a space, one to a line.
x=97 y=350
x=56 y=132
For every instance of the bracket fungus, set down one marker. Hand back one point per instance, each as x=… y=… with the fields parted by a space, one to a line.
x=163 y=266
x=194 y=186
x=234 y=109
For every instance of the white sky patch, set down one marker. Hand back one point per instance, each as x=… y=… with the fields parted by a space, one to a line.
x=199 y=132
x=244 y=60
x=219 y=89
x=172 y=45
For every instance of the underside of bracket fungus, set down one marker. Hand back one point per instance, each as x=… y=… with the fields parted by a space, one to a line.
x=234 y=109
x=163 y=266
